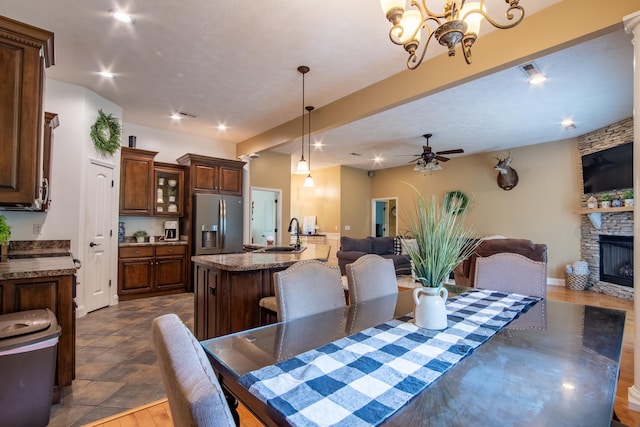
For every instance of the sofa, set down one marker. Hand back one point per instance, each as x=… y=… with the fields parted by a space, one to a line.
x=387 y=247
x=464 y=273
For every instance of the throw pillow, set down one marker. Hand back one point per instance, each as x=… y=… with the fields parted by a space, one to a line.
x=397 y=246
x=410 y=243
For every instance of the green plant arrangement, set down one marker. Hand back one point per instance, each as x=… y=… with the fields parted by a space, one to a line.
x=105 y=133
x=628 y=194
x=5 y=230
x=606 y=197
x=442 y=241
x=140 y=233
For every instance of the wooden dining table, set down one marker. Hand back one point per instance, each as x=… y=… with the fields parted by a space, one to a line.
x=557 y=366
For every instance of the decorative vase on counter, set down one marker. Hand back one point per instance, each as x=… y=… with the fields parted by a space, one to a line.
x=121 y=232
x=430 y=311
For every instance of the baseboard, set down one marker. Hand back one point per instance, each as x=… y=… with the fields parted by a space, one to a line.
x=555 y=282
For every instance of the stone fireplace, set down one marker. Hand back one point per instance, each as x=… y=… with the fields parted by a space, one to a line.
x=615 y=227
x=616 y=259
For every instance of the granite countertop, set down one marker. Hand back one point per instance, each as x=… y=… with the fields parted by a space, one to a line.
x=26 y=268
x=248 y=261
x=156 y=243
x=39 y=248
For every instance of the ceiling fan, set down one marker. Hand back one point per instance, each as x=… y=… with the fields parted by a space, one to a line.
x=430 y=160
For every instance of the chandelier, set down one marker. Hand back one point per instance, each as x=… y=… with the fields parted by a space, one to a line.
x=303 y=167
x=459 y=23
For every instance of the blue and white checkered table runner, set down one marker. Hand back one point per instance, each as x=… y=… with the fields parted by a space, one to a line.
x=363 y=379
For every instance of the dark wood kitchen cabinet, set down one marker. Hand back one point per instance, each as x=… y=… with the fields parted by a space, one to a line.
x=136 y=181
x=227 y=301
x=56 y=294
x=50 y=123
x=25 y=51
x=151 y=270
x=213 y=175
x=169 y=188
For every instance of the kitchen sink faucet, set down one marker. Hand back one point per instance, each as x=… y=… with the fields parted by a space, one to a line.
x=297 y=245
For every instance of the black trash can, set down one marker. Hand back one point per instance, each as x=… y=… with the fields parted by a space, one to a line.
x=28 y=346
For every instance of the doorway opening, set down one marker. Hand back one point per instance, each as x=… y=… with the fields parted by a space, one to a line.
x=266 y=214
x=384 y=215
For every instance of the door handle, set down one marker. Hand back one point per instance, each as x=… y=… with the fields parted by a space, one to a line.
x=92 y=244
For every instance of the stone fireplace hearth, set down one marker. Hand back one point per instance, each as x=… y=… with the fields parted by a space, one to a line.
x=612 y=223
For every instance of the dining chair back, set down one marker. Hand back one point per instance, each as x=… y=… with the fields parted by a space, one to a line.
x=306 y=288
x=370 y=277
x=509 y=272
x=194 y=394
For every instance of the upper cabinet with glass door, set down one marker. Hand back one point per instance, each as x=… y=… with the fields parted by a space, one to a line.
x=169 y=189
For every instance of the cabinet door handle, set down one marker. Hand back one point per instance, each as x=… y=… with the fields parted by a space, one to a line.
x=92 y=244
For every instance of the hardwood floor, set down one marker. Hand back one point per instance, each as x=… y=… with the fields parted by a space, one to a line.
x=157 y=414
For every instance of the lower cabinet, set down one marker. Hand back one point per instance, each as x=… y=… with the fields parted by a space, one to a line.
x=227 y=301
x=56 y=294
x=150 y=270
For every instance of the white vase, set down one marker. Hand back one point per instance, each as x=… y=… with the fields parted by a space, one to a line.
x=628 y=202
x=140 y=239
x=430 y=311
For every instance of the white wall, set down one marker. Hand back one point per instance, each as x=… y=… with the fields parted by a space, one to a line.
x=171 y=145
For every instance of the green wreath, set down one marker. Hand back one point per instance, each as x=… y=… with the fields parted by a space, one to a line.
x=456 y=202
x=105 y=133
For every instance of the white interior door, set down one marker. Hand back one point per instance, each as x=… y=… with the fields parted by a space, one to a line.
x=264 y=216
x=97 y=253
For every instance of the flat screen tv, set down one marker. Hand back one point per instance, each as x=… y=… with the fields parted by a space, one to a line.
x=608 y=170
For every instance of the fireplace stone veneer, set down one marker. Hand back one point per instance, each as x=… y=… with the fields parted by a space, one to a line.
x=613 y=223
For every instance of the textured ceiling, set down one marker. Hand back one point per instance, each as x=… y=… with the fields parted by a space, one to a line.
x=236 y=63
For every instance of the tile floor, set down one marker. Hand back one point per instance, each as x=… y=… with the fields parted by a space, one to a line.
x=116 y=365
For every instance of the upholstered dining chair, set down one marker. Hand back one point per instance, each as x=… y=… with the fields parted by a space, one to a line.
x=509 y=272
x=194 y=394
x=306 y=288
x=369 y=277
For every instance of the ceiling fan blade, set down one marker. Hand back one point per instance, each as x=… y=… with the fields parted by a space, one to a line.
x=442 y=159
x=456 y=151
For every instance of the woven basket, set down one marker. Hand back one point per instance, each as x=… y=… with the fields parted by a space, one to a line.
x=577 y=282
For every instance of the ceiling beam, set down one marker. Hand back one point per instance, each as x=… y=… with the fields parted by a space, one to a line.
x=567 y=23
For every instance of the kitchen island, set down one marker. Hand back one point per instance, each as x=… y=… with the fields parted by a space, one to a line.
x=228 y=287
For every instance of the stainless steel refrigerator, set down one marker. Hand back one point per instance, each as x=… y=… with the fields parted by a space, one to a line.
x=217 y=224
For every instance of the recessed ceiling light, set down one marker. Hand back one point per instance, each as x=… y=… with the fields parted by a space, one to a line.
x=176 y=116
x=378 y=159
x=121 y=16
x=107 y=74
x=568 y=124
x=536 y=80
x=222 y=127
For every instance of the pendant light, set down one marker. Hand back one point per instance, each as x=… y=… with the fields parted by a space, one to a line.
x=308 y=181
x=303 y=167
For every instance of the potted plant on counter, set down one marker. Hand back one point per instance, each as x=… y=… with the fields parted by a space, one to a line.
x=441 y=243
x=628 y=197
x=140 y=235
x=5 y=235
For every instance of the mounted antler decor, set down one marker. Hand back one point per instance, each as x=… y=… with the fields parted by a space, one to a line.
x=507 y=176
